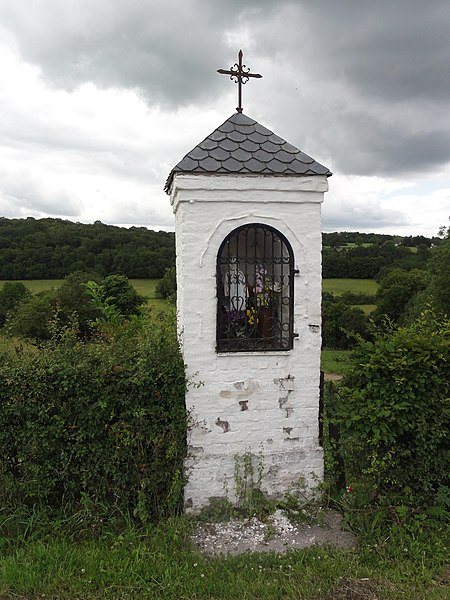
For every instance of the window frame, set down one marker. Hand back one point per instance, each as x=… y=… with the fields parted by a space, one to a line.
x=252 y=320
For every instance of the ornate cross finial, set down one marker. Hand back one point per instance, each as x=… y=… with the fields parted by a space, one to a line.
x=240 y=74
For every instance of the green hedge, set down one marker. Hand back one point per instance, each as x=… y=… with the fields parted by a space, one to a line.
x=394 y=412
x=103 y=422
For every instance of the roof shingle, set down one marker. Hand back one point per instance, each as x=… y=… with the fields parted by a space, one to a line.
x=241 y=145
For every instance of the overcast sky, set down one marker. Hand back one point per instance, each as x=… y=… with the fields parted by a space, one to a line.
x=99 y=99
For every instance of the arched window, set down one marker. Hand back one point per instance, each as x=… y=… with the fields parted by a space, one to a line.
x=255 y=290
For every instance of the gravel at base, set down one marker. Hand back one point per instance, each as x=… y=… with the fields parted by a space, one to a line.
x=252 y=535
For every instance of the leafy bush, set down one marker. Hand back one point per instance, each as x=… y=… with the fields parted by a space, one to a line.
x=32 y=317
x=397 y=289
x=358 y=298
x=439 y=276
x=74 y=303
x=123 y=295
x=341 y=323
x=167 y=286
x=394 y=411
x=11 y=295
x=102 y=422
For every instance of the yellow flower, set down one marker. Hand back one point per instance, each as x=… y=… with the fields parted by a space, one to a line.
x=251 y=316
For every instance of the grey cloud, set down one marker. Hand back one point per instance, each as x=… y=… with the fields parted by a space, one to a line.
x=391 y=50
x=367 y=84
x=166 y=50
x=342 y=216
x=24 y=191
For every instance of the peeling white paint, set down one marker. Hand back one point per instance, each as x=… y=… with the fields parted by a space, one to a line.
x=249 y=402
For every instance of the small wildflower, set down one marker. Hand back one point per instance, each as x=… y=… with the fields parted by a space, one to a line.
x=202 y=574
x=349 y=489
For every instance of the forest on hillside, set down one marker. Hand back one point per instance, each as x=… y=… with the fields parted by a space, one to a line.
x=53 y=248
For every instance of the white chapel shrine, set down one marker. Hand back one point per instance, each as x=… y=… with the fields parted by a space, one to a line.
x=247 y=209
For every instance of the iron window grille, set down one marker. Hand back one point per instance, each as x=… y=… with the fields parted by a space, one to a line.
x=255 y=290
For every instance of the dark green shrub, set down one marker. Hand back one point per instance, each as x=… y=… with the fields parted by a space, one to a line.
x=397 y=289
x=394 y=411
x=74 y=302
x=439 y=276
x=102 y=422
x=11 y=295
x=167 y=287
x=358 y=298
x=32 y=316
x=123 y=295
x=341 y=323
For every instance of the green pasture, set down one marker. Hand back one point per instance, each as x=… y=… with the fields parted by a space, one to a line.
x=357 y=286
x=366 y=308
x=145 y=287
x=335 y=361
x=38 y=285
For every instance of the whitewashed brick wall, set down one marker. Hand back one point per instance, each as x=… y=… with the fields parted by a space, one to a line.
x=265 y=403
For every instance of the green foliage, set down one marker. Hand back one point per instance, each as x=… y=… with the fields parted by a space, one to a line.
x=248 y=473
x=394 y=411
x=53 y=248
x=123 y=295
x=397 y=289
x=32 y=317
x=341 y=323
x=439 y=276
x=167 y=287
x=357 y=298
x=11 y=295
x=366 y=261
x=336 y=361
x=110 y=315
x=74 y=303
x=95 y=423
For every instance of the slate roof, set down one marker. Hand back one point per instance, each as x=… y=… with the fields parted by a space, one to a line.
x=241 y=145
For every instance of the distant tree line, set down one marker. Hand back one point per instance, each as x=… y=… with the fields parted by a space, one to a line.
x=53 y=248
x=404 y=294
x=371 y=260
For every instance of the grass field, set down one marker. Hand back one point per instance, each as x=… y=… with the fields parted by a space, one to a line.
x=366 y=308
x=357 y=286
x=335 y=361
x=146 y=287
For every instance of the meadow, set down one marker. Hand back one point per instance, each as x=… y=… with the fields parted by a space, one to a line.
x=146 y=287
x=356 y=286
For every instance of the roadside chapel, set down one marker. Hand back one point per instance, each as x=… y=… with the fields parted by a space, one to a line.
x=247 y=210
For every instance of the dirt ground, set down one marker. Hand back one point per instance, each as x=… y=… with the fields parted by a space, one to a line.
x=278 y=534
x=332 y=377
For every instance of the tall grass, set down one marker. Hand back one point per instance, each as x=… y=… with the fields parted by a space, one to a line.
x=160 y=562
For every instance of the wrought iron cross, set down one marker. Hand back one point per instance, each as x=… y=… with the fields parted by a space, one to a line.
x=240 y=74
